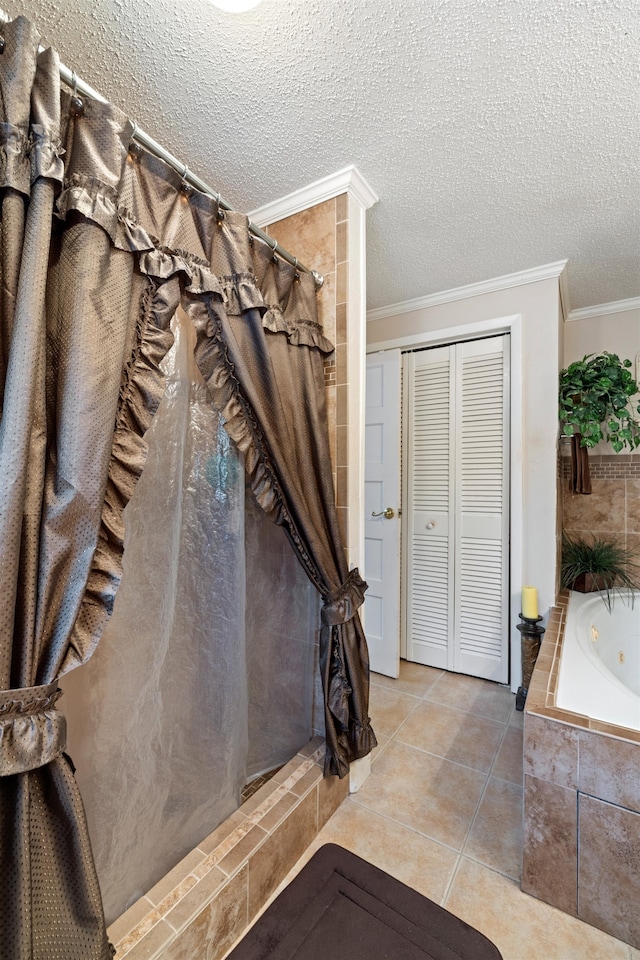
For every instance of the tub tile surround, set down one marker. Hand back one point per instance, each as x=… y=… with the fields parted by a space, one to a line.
x=613 y=507
x=205 y=903
x=580 y=774
x=609 y=868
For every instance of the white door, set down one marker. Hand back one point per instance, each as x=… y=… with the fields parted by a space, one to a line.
x=457 y=522
x=430 y=419
x=382 y=496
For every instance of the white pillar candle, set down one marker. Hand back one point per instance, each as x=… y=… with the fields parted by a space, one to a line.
x=529 y=603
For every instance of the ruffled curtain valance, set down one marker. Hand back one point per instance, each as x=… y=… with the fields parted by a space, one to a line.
x=99 y=247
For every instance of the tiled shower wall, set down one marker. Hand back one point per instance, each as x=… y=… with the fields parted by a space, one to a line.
x=318 y=236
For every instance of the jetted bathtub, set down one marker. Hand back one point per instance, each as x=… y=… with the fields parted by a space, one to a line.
x=599 y=673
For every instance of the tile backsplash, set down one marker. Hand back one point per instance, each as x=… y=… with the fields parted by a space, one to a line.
x=613 y=507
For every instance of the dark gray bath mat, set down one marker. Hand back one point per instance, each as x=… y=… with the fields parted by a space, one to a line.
x=340 y=907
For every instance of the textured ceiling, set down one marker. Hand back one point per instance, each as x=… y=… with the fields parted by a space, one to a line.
x=498 y=134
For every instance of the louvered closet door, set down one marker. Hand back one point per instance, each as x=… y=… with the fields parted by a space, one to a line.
x=429 y=402
x=457 y=496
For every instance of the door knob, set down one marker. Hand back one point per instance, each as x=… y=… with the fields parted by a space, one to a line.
x=388 y=514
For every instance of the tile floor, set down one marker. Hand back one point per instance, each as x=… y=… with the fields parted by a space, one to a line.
x=442 y=811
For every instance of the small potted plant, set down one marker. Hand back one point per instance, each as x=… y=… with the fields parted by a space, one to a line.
x=601 y=563
x=595 y=401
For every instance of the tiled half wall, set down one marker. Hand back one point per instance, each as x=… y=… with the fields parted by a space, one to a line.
x=318 y=236
x=207 y=901
x=581 y=850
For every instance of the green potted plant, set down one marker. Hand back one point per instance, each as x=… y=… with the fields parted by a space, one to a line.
x=595 y=401
x=601 y=563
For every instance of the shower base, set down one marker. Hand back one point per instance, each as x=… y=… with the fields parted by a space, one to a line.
x=202 y=906
x=252 y=786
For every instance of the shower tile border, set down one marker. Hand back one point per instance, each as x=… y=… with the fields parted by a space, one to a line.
x=185 y=904
x=617 y=466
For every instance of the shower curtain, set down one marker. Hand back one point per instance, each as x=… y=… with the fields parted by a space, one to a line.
x=99 y=246
x=264 y=370
x=214 y=683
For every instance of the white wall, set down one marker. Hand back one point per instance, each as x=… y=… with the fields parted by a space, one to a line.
x=617 y=333
x=535 y=431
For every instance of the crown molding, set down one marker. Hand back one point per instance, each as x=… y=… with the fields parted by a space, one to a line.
x=548 y=271
x=349 y=180
x=605 y=309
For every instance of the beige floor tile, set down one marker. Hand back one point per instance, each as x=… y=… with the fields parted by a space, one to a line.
x=522 y=927
x=415 y=860
x=508 y=764
x=496 y=835
x=517 y=719
x=388 y=709
x=382 y=742
x=414 y=678
x=475 y=696
x=426 y=793
x=413 y=799
x=453 y=734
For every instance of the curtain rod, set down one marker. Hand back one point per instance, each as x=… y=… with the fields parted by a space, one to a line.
x=78 y=86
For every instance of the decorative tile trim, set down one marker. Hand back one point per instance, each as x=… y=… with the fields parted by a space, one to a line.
x=150 y=928
x=619 y=466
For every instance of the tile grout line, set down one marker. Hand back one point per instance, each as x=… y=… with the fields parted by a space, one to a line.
x=400 y=823
x=475 y=815
x=426 y=698
x=402 y=723
x=457 y=763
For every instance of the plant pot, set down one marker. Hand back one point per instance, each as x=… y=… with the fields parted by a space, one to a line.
x=592 y=582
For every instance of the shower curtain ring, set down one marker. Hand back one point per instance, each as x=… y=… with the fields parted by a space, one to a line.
x=134 y=148
x=185 y=187
x=76 y=105
x=274 y=258
x=220 y=213
x=296 y=275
